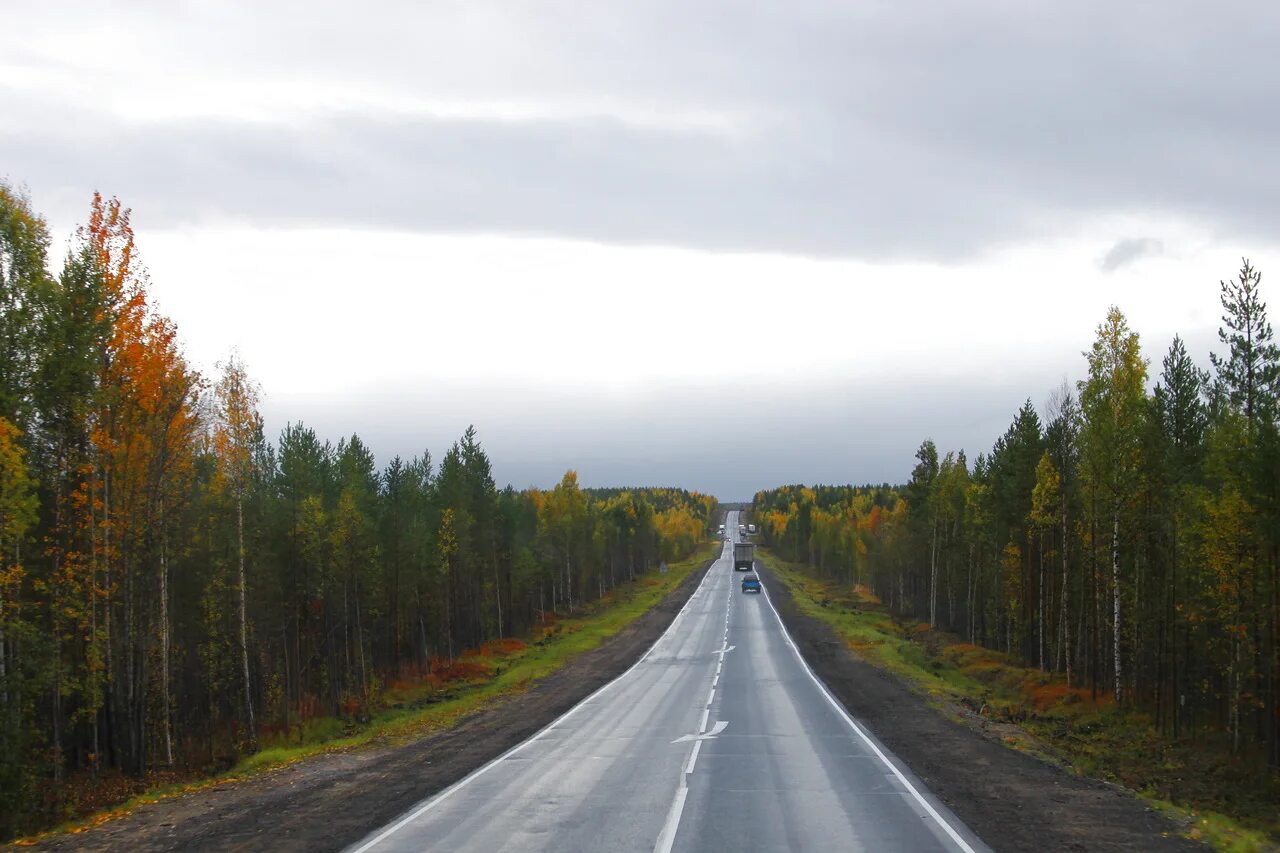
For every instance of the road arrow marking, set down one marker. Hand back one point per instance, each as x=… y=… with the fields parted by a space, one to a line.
x=720 y=726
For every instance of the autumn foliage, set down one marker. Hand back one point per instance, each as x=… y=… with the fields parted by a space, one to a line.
x=174 y=585
x=1127 y=539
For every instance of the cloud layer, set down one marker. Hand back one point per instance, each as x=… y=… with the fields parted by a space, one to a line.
x=717 y=244
x=871 y=130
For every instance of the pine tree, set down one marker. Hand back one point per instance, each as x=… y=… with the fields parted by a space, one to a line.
x=1250 y=370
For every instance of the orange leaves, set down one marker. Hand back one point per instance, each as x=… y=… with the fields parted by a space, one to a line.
x=146 y=423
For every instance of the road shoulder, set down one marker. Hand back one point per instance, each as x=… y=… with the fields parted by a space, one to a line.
x=1011 y=800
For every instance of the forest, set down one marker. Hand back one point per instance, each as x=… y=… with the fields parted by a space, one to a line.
x=1125 y=535
x=174 y=584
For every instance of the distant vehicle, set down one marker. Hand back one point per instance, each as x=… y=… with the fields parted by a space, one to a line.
x=751 y=528
x=743 y=556
x=722 y=528
x=742 y=528
x=751 y=583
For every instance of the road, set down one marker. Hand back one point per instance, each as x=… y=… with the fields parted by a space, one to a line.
x=719 y=738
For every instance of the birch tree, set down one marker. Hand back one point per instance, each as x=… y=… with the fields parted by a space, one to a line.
x=238 y=429
x=1112 y=402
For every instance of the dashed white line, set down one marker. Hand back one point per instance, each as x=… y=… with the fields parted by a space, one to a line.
x=435 y=800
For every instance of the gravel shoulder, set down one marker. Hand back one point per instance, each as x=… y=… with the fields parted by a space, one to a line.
x=1013 y=801
x=330 y=801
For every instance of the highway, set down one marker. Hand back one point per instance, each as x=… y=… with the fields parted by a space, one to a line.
x=719 y=738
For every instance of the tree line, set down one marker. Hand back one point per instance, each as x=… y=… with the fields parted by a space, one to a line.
x=1126 y=537
x=174 y=585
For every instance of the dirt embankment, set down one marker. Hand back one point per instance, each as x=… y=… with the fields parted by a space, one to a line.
x=1014 y=802
x=331 y=801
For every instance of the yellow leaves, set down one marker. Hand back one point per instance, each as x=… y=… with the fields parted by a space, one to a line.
x=1046 y=493
x=17 y=489
x=446 y=538
x=237 y=423
x=1228 y=546
x=678 y=524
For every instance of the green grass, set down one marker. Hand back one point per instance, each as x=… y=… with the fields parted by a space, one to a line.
x=1230 y=803
x=408 y=711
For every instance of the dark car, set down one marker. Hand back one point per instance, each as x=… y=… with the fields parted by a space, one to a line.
x=751 y=583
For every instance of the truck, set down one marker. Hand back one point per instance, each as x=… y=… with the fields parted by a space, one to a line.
x=743 y=556
x=751 y=528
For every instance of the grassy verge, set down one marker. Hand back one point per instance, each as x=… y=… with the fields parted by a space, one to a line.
x=408 y=710
x=1228 y=802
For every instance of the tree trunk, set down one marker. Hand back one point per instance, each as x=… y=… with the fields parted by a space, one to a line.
x=1066 y=597
x=1040 y=604
x=364 y=673
x=244 y=629
x=568 y=582
x=1115 y=598
x=497 y=596
x=165 y=700
x=933 y=573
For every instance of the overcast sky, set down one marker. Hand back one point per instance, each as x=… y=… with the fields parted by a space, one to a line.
x=722 y=245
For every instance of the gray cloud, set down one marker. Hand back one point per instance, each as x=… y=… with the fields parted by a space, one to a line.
x=899 y=130
x=1128 y=251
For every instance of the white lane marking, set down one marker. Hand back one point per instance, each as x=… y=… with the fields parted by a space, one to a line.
x=840 y=709
x=715 y=680
x=720 y=726
x=693 y=756
x=702 y=724
x=724 y=650
x=436 y=799
x=668 y=836
x=711 y=697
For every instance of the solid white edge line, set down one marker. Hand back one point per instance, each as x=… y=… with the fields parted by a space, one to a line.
x=840 y=709
x=441 y=796
x=702 y=724
x=668 y=836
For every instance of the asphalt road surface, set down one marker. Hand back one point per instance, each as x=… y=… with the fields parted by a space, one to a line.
x=719 y=738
